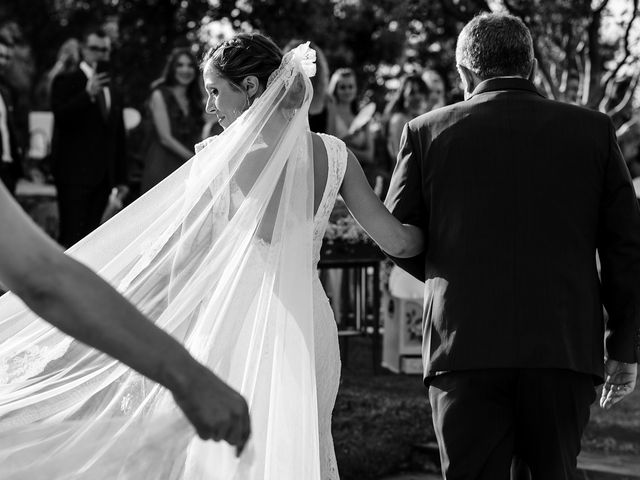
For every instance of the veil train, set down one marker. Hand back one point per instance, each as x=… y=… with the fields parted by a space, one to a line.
x=220 y=256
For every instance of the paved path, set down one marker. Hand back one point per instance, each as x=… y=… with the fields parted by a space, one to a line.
x=414 y=476
x=627 y=466
x=595 y=465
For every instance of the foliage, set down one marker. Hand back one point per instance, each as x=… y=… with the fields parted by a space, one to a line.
x=148 y=29
x=585 y=47
x=587 y=50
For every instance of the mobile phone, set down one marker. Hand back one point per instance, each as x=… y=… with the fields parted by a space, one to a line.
x=103 y=66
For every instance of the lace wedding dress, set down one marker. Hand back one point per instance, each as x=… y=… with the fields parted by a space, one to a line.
x=325 y=329
x=222 y=255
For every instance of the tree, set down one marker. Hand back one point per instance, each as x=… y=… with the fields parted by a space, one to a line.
x=584 y=48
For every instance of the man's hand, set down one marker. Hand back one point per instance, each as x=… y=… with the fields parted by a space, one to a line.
x=216 y=410
x=121 y=194
x=96 y=83
x=620 y=380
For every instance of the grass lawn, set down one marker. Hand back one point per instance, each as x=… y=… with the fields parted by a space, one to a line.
x=378 y=418
x=615 y=431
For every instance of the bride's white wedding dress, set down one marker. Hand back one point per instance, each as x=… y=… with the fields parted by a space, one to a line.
x=327 y=352
x=223 y=255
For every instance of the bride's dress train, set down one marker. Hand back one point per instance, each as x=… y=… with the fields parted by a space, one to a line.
x=223 y=256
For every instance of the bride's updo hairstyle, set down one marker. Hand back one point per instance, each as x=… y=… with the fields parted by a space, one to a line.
x=246 y=54
x=253 y=54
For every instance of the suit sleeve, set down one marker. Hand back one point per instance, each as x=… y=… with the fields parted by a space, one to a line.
x=16 y=149
x=121 y=158
x=619 y=251
x=405 y=199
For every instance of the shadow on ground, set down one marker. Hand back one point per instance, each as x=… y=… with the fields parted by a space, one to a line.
x=379 y=419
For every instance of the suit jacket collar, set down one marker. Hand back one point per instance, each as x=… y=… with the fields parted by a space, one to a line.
x=505 y=83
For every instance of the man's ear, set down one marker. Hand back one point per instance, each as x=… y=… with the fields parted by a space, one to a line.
x=469 y=80
x=534 y=70
x=251 y=85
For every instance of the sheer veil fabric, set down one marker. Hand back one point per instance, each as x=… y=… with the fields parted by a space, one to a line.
x=220 y=256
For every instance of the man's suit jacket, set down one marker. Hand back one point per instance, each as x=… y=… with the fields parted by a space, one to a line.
x=515 y=193
x=16 y=150
x=86 y=148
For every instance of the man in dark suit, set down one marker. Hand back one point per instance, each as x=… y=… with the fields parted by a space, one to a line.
x=10 y=152
x=515 y=193
x=88 y=147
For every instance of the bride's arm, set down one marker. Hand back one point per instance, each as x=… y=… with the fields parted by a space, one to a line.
x=395 y=238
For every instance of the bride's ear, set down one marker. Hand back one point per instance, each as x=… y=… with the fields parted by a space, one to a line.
x=251 y=85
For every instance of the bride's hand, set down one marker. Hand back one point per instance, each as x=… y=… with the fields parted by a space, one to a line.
x=216 y=410
x=620 y=380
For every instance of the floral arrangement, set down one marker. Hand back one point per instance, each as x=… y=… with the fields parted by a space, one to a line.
x=343 y=228
x=346 y=230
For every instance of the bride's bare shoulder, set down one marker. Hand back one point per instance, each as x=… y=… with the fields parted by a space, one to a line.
x=317 y=142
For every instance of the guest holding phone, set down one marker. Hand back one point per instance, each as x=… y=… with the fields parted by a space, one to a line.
x=88 y=148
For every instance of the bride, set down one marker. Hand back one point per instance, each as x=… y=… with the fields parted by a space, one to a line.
x=222 y=255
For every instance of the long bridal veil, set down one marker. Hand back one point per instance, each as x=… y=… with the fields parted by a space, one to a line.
x=219 y=255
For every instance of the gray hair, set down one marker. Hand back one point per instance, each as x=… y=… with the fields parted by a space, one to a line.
x=495 y=45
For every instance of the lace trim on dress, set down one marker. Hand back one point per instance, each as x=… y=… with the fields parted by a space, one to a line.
x=31 y=362
x=337 y=165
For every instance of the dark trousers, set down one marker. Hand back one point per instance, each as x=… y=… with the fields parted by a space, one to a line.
x=80 y=208
x=9 y=175
x=483 y=418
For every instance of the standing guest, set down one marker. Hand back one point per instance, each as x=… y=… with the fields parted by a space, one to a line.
x=322 y=112
x=10 y=154
x=344 y=89
x=409 y=101
x=177 y=117
x=88 y=148
x=435 y=83
x=111 y=27
x=67 y=60
x=514 y=337
x=19 y=77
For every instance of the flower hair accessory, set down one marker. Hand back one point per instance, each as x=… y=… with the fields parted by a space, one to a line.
x=307 y=58
x=303 y=56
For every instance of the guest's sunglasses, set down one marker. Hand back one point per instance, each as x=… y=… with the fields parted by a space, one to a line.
x=95 y=48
